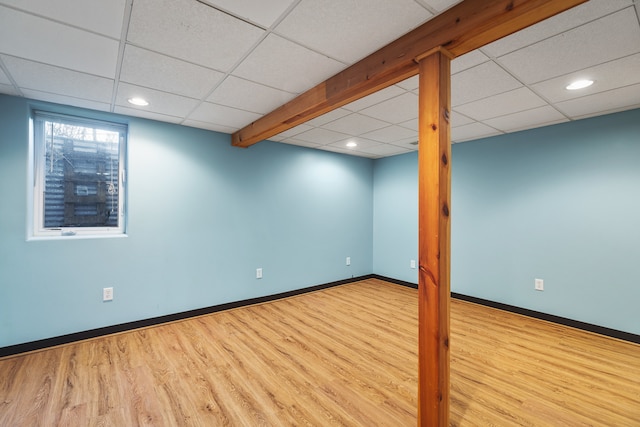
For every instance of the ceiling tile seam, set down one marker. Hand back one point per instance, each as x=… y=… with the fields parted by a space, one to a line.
x=65 y=96
x=599 y=93
x=463 y=115
x=48 y=64
x=454 y=107
x=359 y=135
x=314 y=50
x=428 y=8
x=258 y=83
x=66 y=24
x=126 y=20
x=405 y=91
x=186 y=61
x=483 y=124
x=233 y=15
x=506 y=70
x=249 y=51
x=516 y=112
x=382 y=102
x=200 y=100
x=151 y=113
x=402 y=146
x=553 y=104
x=605 y=112
x=473 y=66
x=4 y=68
x=582 y=24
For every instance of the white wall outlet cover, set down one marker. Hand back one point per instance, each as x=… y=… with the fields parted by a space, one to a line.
x=258 y=273
x=538 y=284
x=107 y=294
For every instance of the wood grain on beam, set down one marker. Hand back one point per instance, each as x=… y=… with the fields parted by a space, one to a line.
x=434 y=236
x=461 y=29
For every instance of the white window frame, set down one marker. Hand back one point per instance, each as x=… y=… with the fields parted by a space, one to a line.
x=36 y=170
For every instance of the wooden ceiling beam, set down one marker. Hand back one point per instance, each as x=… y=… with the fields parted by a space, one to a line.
x=467 y=26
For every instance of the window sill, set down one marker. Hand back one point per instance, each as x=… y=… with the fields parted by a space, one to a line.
x=75 y=237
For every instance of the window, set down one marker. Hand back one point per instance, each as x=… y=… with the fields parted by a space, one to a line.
x=78 y=169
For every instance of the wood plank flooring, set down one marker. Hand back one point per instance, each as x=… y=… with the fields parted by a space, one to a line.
x=342 y=356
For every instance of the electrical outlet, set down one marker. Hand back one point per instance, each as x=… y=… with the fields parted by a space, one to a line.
x=538 y=284
x=348 y=260
x=413 y=263
x=107 y=294
x=258 y=273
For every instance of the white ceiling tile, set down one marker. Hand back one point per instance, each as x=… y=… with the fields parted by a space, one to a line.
x=610 y=101
x=145 y=68
x=9 y=90
x=47 y=78
x=391 y=134
x=395 y=110
x=159 y=102
x=349 y=151
x=336 y=27
x=355 y=124
x=136 y=112
x=362 y=143
x=458 y=119
x=321 y=136
x=440 y=5
x=410 y=124
x=279 y=63
x=294 y=131
x=179 y=49
x=328 y=117
x=192 y=31
x=406 y=142
x=103 y=17
x=367 y=155
x=411 y=145
x=293 y=141
x=611 y=37
x=221 y=115
x=65 y=100
x=210 y=126
x=412 y=83
x=478 y=82
x=468 y=60
x=541 y=116
x=37 y=39
x=499 y=105
x=245 y=95
x=4 y=80
x=263 y=13
x=472 y=131
x=336 y=149
x=375 y=98
x=607 y=76
x=571 y=18
x=384 y=150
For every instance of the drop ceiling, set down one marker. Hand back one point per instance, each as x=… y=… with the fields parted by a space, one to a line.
x=221 y=64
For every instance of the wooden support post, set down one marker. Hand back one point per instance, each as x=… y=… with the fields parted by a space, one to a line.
x=434 y=187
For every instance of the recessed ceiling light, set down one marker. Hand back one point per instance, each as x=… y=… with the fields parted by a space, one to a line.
x=141 y=102
x=351 y=144
x=579 y=84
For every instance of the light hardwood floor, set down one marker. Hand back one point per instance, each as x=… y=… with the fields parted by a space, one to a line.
x=341 y=356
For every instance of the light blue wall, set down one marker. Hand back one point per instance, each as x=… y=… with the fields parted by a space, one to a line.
x=395 y=216
x=560 y=203
x=202 y=217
